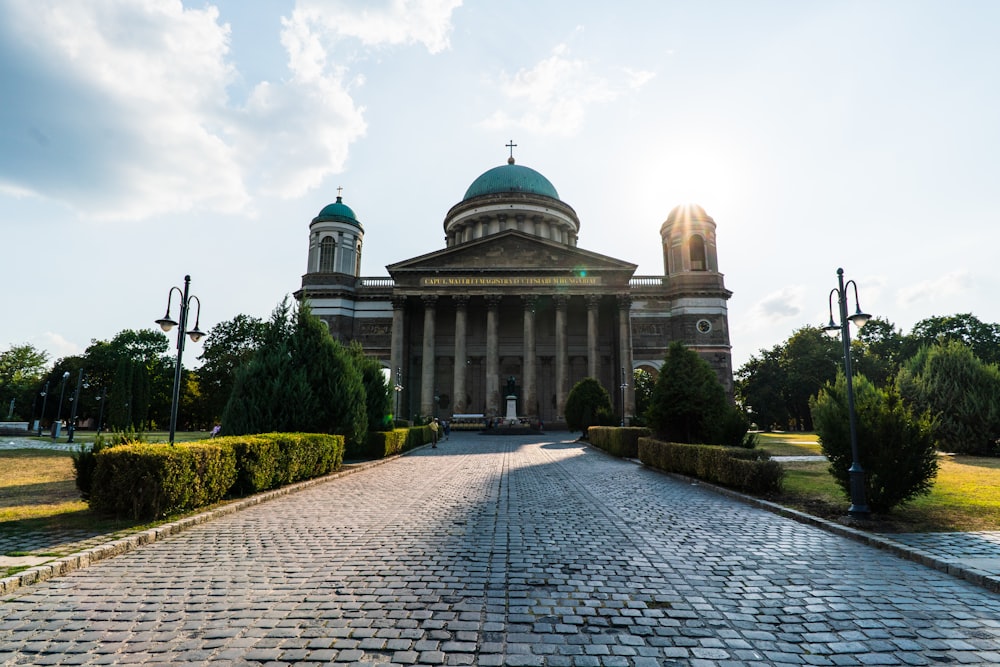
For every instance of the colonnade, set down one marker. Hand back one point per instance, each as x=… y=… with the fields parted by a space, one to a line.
x=529 y=380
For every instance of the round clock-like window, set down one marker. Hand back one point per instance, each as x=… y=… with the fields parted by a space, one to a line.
x=704 y=326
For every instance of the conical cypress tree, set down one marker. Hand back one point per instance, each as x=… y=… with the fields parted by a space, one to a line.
x=378 y=401
x=333 y=378
x=688 y=402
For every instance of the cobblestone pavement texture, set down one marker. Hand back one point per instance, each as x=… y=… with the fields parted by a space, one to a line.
x=503 y=551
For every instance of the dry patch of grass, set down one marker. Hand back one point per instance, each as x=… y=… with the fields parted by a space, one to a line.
x=37 y=483
x=790 y=444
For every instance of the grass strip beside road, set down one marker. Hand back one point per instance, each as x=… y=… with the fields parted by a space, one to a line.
x=965 y=496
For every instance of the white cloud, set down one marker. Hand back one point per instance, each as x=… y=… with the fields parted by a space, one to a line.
x=556 y=93
x=935 y=290
x=119 y=109
x=397 y=22
x=57 y=346
x=783 y=304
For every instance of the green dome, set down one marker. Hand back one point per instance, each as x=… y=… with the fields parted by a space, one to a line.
x=338 y=211
x=511 y=178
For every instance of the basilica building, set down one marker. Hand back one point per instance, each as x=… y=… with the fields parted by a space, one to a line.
x=513 y=307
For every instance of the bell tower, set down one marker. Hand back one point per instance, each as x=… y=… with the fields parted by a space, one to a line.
x=688 y=238
x=698 y=316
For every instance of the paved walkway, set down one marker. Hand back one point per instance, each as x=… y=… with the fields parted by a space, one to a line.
x=503 y=551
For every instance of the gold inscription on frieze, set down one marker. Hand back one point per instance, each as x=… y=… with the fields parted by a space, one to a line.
x=510 y=281
x=645 y=329
x=375 y=329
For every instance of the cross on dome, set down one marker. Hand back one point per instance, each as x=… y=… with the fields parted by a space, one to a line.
x=511 y=145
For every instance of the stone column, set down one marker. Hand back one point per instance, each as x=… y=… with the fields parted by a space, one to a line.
x=625 y=338
x=529 y=395
x=593 y=360
x=461 y=319
x=492 y=355
x=427 y=368
x=562 y=355
x=396 y=349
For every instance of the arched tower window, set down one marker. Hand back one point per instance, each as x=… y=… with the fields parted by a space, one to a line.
x=696 y=250
x=326 y=251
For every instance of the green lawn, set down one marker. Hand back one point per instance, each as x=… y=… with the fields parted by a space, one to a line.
x=152 y=436
x=965 y=496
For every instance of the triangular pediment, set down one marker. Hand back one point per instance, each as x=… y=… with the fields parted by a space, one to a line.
x=511 y=251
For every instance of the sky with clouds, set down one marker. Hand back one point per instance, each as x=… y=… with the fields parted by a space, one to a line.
x=142 y=140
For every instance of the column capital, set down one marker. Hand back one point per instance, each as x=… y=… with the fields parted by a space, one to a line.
x=398 y=302
x=493 y=301
x=624 y=301
x=593 y=301
x=461 y=300
x=529 y=301
x=562 y=300
x=430 y=300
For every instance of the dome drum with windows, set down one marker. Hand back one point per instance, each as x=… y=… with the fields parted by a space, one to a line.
x=511 y=197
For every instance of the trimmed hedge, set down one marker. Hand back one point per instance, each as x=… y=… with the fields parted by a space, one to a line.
x=147 y=481
x=307 y=455
x=749 y=470
x=143 y=481
x=380 y=444
x=257 y=461
x=269 y=460
x=616 y=440
x=417 y=435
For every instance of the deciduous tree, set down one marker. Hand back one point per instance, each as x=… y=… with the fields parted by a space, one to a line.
x=961 y=392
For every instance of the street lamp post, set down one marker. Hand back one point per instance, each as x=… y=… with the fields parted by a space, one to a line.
x=623 y=387
x=859 y=503
x=62 y=388
x=45 y=398
x=76 y=403
x=398 y=388
x=101 y=399
x=167 y=323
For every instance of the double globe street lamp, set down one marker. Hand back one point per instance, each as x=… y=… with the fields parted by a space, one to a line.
x=398 y=388
x=167 y=323
x=45 y=398
x=624 y=388
x=859 y=503
x=76 y=404
x=57 y=427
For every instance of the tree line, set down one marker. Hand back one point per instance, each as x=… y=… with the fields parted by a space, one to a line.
x=286 y=373
x=946 y=367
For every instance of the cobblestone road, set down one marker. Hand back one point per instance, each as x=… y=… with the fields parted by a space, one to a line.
x=503 y=551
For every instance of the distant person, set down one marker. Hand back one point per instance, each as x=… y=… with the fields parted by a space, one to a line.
x=447 y=429
x=215 y=430
x=434 y=433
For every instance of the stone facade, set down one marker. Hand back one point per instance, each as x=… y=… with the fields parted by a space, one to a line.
x=511 y=301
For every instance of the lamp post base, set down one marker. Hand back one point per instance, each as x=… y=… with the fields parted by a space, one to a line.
x=859 y=505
